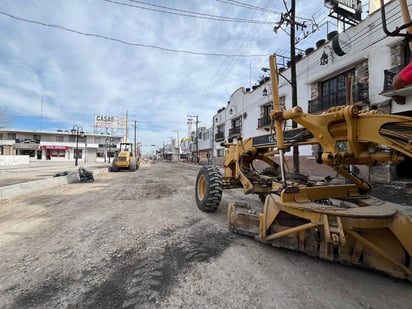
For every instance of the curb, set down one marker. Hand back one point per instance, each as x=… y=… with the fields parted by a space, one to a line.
x=15 y=190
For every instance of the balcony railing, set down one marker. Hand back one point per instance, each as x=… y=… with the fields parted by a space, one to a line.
x=264 y=121
x=235 y=130
x=219 y=136
x=359 y=95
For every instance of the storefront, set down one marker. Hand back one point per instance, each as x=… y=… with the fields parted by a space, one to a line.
x=27 y=149
x=50 y=152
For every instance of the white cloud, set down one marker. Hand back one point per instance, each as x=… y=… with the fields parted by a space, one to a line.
x=78 y=76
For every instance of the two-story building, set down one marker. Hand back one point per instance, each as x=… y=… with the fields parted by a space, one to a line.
x=60 y=145
x=363 y=52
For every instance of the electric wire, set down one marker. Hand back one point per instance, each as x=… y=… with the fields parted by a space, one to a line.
x=253 y=7
x=188 y=13
x=224 y=70
x=359 y=37
x=127 y=42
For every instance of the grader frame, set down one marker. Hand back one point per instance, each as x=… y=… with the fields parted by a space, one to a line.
x=341 y=222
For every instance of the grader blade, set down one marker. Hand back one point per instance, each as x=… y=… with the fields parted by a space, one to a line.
x=374 y=235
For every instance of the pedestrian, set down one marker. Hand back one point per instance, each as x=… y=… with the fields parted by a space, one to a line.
x=403 y=78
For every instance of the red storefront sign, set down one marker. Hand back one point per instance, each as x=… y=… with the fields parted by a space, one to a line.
x=55 y=147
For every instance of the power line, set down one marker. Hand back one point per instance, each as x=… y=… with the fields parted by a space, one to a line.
x=224 y=68
x=248 y=6
x=188 y=13
x=127 y=42
x=253 y=7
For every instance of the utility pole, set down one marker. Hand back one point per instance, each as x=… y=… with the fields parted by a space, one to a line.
x=135 y=141
x=290 y=19
x=178 y=145
x=197 y=136
x=293 y=78
x=127 y=127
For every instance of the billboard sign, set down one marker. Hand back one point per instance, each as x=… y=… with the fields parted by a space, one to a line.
x=347 y=8
x=111 y=122
x=375 y=5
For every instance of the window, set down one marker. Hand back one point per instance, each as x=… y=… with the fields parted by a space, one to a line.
x=220 y=152
x=59 y=138
x=266 y=109
x=37 y=138
x=100 y=153
x=265 y=112
x=11 y=136
x=236 y=126
x=220 y=135
x=57 y=153
x=333 y=91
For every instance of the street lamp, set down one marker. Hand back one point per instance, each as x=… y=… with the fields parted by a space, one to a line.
x=79 y=132
x=109 y=143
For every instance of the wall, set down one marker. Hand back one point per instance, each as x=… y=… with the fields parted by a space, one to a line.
x=14 y=160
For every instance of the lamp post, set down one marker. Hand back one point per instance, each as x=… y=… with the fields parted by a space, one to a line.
x=108 y=144
x=78 y=131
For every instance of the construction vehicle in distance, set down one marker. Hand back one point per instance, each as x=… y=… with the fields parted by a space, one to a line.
x=124 y=159
x=336 y=222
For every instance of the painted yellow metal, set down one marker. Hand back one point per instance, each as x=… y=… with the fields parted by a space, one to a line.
x=375 y=236
x=201 y=188
x=338 y=223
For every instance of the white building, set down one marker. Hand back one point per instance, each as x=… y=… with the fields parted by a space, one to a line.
x=363 y=52
x=59 y=145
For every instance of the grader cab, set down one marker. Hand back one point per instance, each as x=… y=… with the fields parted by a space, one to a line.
x=337 y=222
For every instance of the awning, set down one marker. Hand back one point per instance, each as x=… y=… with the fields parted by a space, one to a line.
x=185 y=140
x=26 y=146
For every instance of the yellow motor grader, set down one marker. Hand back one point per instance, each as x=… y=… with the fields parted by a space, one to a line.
x=336 y=222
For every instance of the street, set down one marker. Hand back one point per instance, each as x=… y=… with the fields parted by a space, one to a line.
x=137 y=240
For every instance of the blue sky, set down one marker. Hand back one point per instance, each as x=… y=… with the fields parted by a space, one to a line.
x=52 y=76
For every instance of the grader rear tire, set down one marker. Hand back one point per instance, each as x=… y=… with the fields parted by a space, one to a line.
x=209 y=187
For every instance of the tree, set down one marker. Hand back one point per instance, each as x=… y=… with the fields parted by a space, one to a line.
x=4 y=117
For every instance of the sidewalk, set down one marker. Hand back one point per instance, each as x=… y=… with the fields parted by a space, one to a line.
x=23 y=179
x=36 y=170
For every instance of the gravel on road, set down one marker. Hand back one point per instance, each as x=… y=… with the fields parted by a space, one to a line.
x=137 y=240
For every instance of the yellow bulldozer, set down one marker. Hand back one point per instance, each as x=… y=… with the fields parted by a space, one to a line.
x=337 y=222
x=124 y=159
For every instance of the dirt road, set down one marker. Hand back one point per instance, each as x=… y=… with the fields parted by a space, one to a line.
x=137 y=240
